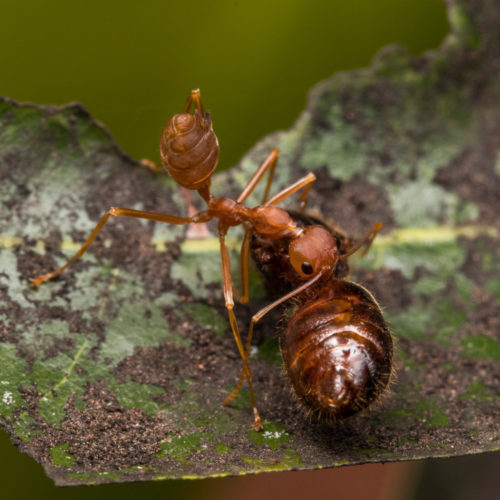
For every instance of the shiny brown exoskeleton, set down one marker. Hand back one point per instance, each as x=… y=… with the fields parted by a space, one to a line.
x=189 y=140
x=190 y=152
x=336 y=346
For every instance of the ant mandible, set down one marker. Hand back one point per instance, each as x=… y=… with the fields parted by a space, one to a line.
x=190 y=153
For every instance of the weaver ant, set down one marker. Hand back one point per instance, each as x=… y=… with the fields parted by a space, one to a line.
x=279 y=241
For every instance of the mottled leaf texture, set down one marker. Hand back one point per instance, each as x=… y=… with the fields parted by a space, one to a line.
x=117 y=370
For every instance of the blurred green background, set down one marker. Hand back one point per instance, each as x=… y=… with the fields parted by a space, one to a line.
x=133 y=63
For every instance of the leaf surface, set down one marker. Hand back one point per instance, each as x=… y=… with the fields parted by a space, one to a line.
x=117 y=370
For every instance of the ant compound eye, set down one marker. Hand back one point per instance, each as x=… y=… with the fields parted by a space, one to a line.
x=307 y=268
x=312 y=252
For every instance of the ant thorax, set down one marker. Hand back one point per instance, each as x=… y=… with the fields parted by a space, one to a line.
x=273 y=222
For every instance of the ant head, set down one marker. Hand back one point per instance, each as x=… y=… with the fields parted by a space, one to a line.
x=314 y=251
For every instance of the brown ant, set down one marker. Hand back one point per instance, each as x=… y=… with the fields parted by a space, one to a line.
x=190 y=152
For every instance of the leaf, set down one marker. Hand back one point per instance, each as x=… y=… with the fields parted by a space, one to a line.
x=117 y=370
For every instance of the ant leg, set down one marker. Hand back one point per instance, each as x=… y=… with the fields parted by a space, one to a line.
x=228 y=296
x=194 y=96
x=304 y=182
x=244 y=258
x=367 y=240
x=257 y=316
x=151 y=165
x=303 y=197
x=127 y=212
x=268 y=163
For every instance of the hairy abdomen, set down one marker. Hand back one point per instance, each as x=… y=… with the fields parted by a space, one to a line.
x=337 y=349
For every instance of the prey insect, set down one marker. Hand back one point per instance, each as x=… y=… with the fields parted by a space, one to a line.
x=309 y=252
x=337 y=347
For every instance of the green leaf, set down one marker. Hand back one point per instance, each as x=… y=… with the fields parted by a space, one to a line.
x=117 y=370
